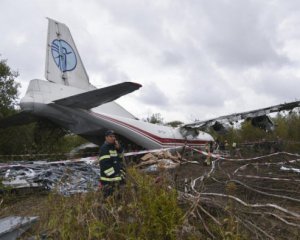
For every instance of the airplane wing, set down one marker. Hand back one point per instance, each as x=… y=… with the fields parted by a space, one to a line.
x=18 y=119
x=258 y=118
x=94 y=98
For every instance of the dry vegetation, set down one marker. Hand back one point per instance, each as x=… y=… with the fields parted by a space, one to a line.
x=253 y=198
x=230 y=199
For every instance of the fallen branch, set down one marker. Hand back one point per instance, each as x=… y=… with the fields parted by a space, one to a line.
x=265 y=193
x=285 y=221
x=269 y=205
x=206 y=175
x=259 y=229
x=260 y=157
x=211 y=216
x=269 y=178
x=278 y=217
x=205 y=226
x=276 y=163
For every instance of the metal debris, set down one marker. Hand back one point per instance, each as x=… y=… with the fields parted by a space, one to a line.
x=66 y=177
x=159 y=161
x=73 y=176
x=12 y=227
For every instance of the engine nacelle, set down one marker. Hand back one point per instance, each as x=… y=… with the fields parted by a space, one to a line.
x=263 y=122
x=220 y=128
x=193 y=132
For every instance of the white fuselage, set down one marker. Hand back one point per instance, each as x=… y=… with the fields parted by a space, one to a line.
x=91 y=124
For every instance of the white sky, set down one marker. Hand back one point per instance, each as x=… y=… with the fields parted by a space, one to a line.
x=195 y=59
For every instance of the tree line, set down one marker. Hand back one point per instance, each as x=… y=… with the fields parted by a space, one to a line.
x=287 y=130
x=46 y=137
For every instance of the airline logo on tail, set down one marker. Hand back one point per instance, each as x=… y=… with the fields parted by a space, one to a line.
x=63 y=55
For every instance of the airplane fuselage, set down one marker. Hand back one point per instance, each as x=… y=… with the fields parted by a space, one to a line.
x=92 y=123
x=68 y=99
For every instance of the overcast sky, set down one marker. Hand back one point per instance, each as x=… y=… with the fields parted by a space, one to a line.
x=196 y=59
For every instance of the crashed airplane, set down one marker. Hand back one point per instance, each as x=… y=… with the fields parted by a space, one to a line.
x=258 y=118
x=70 y=101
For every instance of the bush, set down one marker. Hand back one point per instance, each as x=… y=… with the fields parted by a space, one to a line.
x=142 y=209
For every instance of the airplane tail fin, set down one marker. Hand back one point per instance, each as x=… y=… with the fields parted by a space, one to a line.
x=63 y=63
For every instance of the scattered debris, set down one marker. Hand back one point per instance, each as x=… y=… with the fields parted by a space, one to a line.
x=69 y=177
x=66 y=178
x=297 y=170
x=86 y=147
x=152 y=162
x=259 y=196
x=13 y=227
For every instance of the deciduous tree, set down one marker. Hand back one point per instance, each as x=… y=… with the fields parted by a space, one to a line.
x=8 y=89
x=155 y=118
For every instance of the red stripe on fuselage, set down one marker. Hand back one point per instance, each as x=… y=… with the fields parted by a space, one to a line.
x=161 y=141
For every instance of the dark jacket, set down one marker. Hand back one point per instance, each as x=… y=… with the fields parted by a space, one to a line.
x=111 y=166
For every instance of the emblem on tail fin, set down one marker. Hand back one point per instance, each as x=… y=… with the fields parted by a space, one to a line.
x=63 y=54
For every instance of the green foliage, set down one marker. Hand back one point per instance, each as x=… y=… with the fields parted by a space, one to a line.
x=250 y=133
x=12 y=140
x=174 y=123
x=157 y=207
x=287 y=130
x=8 y=89
x=142 y=209
x=16 y=140
x=282 y=127
x=48 y=137
x=155 y=118
x=293 y=121
x=35 y=139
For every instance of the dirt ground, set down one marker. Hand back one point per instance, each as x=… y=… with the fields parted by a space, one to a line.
x=261 y=194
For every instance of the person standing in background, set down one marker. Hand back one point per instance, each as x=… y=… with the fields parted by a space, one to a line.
x=112 y=172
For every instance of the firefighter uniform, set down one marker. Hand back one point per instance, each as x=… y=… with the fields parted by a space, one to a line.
x=112 y=172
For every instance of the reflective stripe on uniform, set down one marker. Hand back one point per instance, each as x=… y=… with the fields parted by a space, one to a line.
x=113 y=153
x=109 y=171
x=111 y=179
x=123 y=174
x=104 y=157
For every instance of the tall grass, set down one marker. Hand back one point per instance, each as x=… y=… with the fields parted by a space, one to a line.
x=141 y=209
x=144 y=208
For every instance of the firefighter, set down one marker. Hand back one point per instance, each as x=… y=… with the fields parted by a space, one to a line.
x=112 y=173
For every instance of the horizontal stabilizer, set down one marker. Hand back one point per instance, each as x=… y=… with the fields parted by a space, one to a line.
x=17 y=119
x=94 y=98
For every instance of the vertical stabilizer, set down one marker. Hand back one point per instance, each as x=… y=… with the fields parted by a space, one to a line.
x=63 y=63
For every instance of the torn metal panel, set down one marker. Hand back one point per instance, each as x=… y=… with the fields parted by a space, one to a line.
x=259 y=118
x=12 y=227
